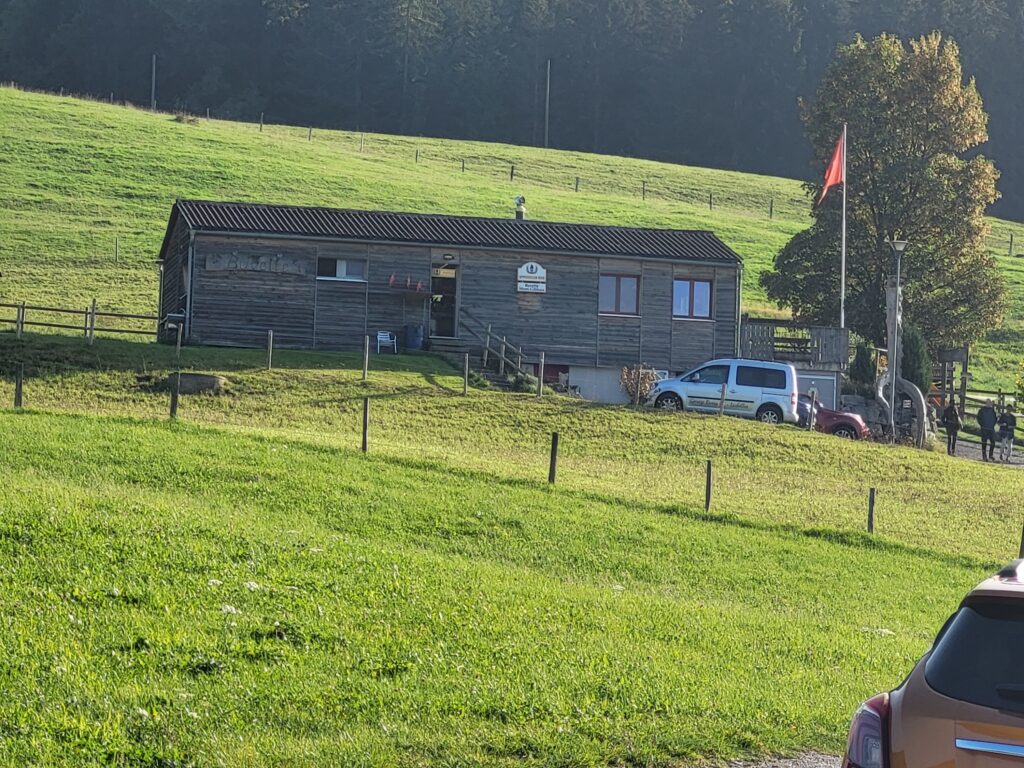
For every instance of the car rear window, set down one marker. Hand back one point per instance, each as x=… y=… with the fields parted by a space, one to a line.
x=774 y=379
x=977 y=658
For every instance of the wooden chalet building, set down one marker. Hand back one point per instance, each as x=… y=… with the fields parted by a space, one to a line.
x=592 y=298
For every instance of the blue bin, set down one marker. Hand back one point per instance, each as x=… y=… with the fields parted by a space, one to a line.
x=414 y=337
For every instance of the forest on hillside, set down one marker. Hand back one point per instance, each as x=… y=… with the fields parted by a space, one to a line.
x=702 y=82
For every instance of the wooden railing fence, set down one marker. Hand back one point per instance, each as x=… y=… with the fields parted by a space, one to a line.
x=89 y=321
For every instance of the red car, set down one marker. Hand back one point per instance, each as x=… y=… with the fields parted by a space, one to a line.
x=838 y=423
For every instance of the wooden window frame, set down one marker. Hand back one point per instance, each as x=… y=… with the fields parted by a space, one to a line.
x=693 y=282
x=335 y=278
x=618 y=276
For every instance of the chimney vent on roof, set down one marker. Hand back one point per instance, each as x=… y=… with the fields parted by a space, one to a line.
x=520 y=207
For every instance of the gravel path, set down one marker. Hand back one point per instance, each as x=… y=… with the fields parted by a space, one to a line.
x=971 y=449
x=806 y=760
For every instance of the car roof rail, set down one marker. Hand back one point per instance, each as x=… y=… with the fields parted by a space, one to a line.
x=1012 y=572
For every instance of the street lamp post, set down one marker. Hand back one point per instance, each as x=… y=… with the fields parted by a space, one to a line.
x=898 y=247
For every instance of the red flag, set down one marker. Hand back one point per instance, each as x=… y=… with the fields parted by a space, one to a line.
x=835 y=174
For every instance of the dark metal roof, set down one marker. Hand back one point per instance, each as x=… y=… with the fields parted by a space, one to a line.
x=454 y=231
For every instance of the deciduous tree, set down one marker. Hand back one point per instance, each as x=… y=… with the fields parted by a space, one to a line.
x=914 y=125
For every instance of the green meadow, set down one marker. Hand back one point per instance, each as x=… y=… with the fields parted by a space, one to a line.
x=244 y=587
x=79 y=175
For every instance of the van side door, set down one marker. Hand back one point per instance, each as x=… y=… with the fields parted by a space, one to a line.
x=745 y=391
x=703 y=387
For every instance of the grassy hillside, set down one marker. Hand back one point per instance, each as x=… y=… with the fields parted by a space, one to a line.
x=79 y=174
x=180 y=595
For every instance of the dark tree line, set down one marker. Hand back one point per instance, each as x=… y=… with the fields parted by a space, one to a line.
x=708 y=82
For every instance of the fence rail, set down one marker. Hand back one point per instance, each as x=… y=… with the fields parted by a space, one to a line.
x=58 y=317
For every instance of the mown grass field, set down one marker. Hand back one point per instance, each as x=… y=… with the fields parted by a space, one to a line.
x=244 y=587
x=78 y=174
x=176 y=594
x=771 y=478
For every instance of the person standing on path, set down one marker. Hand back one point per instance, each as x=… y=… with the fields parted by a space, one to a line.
x=953 y=423
x=987 y=420
x=1007 y=425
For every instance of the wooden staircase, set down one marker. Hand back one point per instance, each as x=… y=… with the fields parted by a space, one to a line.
x=492 y=356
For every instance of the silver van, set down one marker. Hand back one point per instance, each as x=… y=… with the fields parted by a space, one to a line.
x=753 y=389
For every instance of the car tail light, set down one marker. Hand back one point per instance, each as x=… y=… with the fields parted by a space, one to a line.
x=868 y=743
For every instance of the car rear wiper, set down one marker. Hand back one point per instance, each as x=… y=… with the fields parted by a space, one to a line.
x=1013 y=692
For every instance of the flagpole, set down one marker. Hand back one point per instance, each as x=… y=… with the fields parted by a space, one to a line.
x=842 y=258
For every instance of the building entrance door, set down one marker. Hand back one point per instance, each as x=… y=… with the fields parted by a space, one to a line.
x=444 y=284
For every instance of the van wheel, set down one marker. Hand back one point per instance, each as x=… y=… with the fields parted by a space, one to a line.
x=769 y=414
x=845 y=432
x=669 y=401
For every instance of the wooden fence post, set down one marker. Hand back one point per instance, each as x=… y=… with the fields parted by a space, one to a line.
x=577 y=183
x=85 y=324
x=771 y=209
x=553 y=463
x=366 y=423
x=309 y=136
x=643 y=190
x=177 y=344
x=487 y=345
x=721 y=401
x=417 y=155
x=465 y=375
x=871 y=511
x=711 y=201
x=1011 y=243
x=361 y=136
x=92 y=322
x=501 y=358
x=19 y=383
x=707 y=487
x=512 y=172
x=636 y=387
x=463 y=165
x=366 y=358
x=19 y=326
x=540 y=376
x=261 y=122
x=175 y=391
x=270 y=350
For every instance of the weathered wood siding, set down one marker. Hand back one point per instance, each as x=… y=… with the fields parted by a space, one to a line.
x=172 y=281
x=390 y=308
x=243 y=287
x=562 y=321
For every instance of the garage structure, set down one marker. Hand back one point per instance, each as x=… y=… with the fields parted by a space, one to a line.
x=593 y=298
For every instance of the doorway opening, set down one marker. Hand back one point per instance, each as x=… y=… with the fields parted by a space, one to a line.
x=444 y=284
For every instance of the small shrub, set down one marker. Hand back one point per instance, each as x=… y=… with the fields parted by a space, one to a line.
x=637 y=376
x=862 y=370
x=917 y=363
x=523 y=382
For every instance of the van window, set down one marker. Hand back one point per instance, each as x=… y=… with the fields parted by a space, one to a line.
x=748 y=376
x=710 y=374
x=764 y=378
x=977 y=657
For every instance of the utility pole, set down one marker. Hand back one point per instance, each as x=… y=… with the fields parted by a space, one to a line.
x=405 y=61
x=152 y=90
x=547 y=107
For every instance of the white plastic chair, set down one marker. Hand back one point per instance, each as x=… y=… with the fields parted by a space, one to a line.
x=387 y=339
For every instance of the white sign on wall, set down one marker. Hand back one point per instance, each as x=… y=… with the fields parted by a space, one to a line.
x=532 y=278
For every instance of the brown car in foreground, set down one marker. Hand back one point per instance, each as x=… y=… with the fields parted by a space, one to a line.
x=963 y=705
